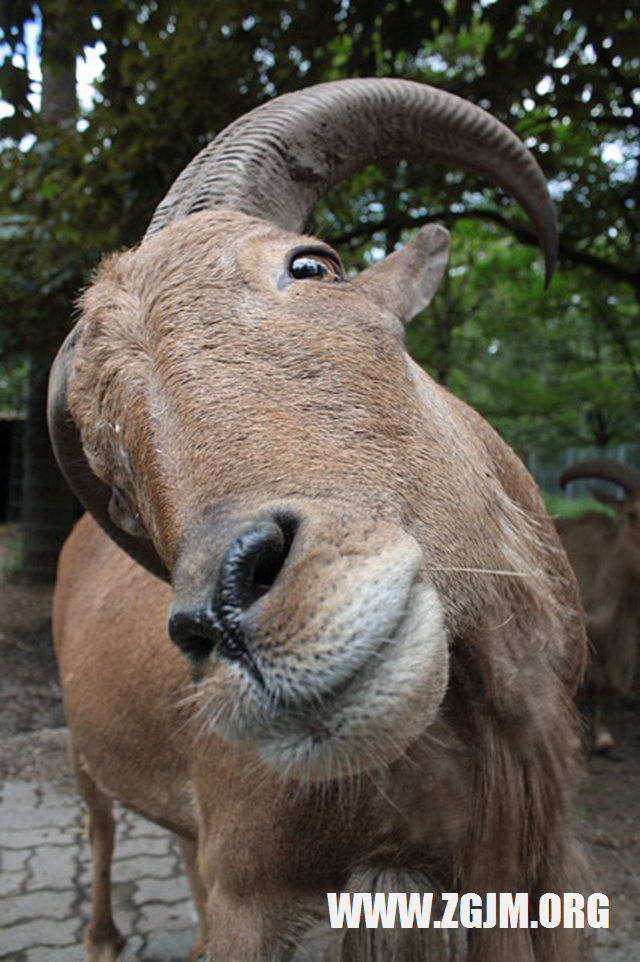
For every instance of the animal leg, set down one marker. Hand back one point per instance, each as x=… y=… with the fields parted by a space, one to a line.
x=189 y=849
x=102 y=941
x=603 y=740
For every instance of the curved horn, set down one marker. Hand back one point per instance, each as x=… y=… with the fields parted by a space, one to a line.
x=67 y=447
x=605 y=469
x=277 y=160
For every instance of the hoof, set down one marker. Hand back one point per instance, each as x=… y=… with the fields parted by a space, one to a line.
x=198 y=953
x=103 y=948
x=604 y=741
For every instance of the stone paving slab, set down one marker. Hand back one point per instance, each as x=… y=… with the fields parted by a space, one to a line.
x=45 y=873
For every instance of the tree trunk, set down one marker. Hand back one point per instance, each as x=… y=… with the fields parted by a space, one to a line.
x=48 y=506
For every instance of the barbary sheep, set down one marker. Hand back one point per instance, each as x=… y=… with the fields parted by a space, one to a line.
x=364 y=681
x=605 y=554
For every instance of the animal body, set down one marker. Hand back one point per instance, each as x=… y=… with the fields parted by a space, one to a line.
x=605 y=554
x=317 y=622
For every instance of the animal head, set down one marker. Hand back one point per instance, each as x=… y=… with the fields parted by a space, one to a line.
x=624 y=561
x=243 y=419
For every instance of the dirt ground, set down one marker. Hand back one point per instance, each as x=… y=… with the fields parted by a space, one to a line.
x=607 y=803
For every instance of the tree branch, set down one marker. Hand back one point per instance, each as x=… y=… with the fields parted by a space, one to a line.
x=520 y=231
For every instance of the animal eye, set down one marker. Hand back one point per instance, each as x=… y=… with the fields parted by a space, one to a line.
x=314 y=266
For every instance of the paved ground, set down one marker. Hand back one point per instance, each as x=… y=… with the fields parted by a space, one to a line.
x=44 y=878
x=44 y=881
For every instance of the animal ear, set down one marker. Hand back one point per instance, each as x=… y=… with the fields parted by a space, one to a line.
x=405 y=281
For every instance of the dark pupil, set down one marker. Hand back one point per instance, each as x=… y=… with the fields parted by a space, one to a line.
x=308 y=267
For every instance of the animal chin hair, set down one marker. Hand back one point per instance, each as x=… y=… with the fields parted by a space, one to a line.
x=399 y=691
x=303 y=758
x=404 y=698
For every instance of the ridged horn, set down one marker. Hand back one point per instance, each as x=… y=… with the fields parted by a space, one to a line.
x=277 y=160
x=606 y=470
x=67 y=447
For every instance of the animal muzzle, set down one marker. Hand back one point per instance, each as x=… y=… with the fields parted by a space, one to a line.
x=314 y=633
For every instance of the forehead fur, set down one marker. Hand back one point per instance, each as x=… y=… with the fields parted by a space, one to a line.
x=205 y=248
x=137 y=295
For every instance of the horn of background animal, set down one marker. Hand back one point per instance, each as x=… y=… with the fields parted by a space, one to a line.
x=277 y=160
x=606 y=470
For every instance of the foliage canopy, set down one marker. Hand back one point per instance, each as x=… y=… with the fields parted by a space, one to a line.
x=546 y=369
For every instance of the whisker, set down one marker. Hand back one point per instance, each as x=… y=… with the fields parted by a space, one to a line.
x=487 y=571
x=502 y=623
x=436 y=741
x=382 y=792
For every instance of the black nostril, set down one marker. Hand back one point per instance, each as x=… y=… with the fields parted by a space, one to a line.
x=196 y=633
x=251 y=565
x=248 y=570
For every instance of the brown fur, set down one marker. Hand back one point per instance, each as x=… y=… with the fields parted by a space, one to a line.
x=605 y=555
x=208 y=393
